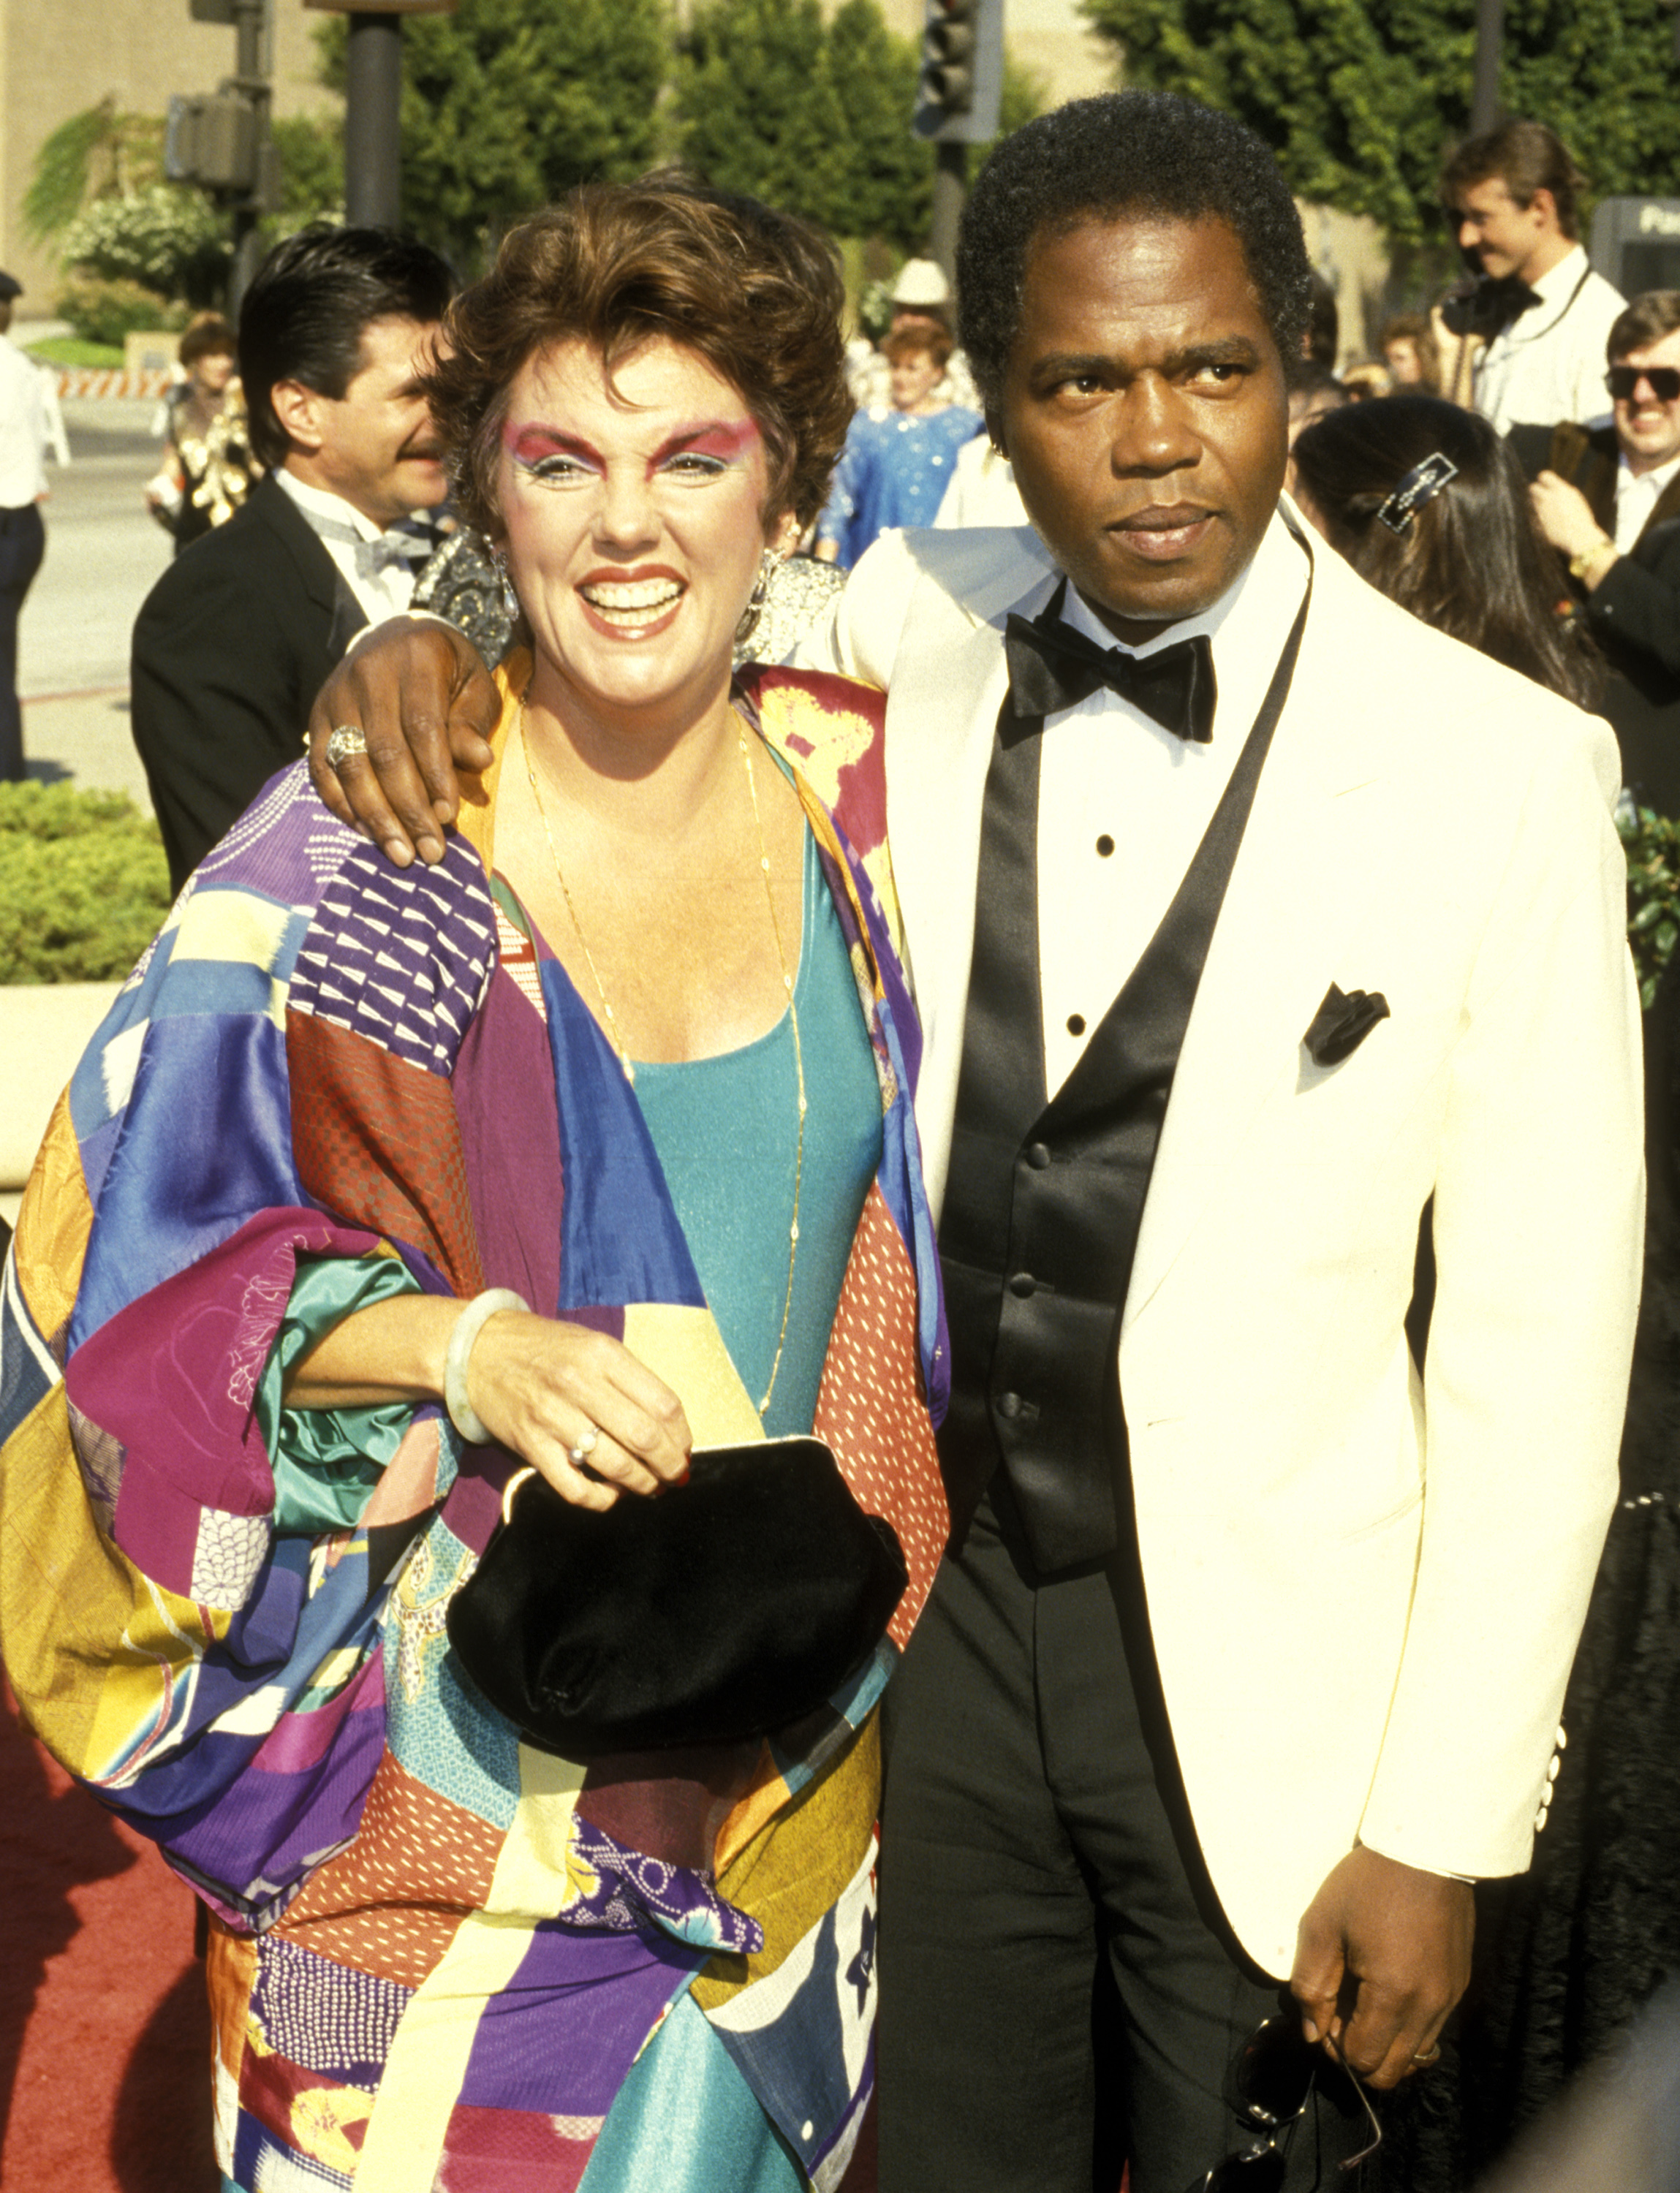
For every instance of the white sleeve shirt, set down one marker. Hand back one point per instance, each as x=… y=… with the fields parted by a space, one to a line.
x=382 y=593
x=1122 y=804
x=23 y=429
x=1637 y=496
x=1549 y=363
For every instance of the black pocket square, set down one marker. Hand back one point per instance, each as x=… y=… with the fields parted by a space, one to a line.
x=1342 y=1023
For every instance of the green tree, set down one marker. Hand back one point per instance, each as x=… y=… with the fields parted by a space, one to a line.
x=98 y=153
x=1360 y=98
x=881 y=183
x=311 y=171
x=817 y=119
x=507 y=104
x=757 y=105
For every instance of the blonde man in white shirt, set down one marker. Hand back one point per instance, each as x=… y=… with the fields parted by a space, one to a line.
x=1511 y=195
x=234 y=639
x=1608 y=500
x=23 y=538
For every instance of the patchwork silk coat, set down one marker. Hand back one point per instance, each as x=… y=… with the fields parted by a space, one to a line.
x=438 y=1954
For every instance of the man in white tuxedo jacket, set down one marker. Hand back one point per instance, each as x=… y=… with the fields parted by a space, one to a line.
x=1245 y=966
x=1363 y=1579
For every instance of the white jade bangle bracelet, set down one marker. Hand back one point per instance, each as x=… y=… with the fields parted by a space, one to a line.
x=468 y=1325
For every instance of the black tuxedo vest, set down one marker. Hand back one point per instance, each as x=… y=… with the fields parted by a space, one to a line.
x=1044 y=1200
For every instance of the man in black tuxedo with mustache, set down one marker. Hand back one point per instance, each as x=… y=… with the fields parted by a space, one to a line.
x=236 y=637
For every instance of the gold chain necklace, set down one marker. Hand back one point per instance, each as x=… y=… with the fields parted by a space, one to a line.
x=612 y=1018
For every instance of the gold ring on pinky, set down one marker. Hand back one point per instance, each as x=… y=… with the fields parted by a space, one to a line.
x=347 y=739
x=1430 y=2056
x=510 y=1488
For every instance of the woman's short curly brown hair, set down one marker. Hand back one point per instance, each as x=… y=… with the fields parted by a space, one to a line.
x=755 y=293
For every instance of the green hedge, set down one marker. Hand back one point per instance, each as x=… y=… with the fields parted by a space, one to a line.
x=105 y=312
x=83 y=884
x=1652 y=844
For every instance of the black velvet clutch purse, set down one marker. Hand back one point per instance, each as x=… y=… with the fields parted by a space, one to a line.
x=711 y=1613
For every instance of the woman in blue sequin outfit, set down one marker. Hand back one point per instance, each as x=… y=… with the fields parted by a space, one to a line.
x=896 y=463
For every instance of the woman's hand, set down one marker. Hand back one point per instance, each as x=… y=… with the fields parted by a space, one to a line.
x=418 y=691
x=540 y=1385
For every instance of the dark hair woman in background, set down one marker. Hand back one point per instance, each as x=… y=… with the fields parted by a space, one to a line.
x=1426 y=501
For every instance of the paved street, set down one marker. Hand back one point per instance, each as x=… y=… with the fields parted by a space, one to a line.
x=103 y=553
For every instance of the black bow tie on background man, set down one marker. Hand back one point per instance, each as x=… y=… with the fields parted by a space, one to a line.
x=1052 y=666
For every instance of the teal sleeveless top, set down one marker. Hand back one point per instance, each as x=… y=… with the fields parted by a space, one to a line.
x=726 y=1131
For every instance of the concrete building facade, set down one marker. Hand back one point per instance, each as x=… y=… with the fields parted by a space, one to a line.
x=60 y=57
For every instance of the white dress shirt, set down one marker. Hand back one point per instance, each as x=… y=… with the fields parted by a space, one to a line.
x=23 y=429
x=383 y=594
x=1638 y=494
x=1122 y=804
x=1549 y=363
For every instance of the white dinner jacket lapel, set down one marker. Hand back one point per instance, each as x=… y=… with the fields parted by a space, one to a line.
x=1300 y=875
x=944 y=704
x=1301 y=879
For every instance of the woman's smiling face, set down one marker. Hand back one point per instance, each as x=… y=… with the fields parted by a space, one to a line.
x=634 y=516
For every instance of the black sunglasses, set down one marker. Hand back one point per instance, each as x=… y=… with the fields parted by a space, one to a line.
x=1621 y=381
x=1268 y=2084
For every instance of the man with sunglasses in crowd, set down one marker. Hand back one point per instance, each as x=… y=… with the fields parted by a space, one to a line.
x=1608 y=500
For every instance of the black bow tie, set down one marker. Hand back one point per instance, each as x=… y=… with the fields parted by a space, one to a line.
x=1052 y=666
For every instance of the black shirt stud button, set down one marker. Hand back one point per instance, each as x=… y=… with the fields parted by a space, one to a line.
x=1038 y=1157
x=1105 y=846
x=1022 y=1285
x=1075 y=1024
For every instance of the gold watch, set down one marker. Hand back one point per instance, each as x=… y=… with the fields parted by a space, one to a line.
x=1582 y=567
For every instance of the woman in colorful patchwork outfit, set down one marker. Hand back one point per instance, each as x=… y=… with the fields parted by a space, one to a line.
x=639 y=1054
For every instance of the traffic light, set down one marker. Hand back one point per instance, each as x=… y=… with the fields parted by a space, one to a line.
x=220 y=139
x=212 y=140
x=962 y=71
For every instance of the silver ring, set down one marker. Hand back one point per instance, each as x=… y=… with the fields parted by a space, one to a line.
x=347 y=739
x=586 y=1446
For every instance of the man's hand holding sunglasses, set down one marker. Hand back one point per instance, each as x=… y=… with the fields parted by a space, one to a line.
x=1381 y=1956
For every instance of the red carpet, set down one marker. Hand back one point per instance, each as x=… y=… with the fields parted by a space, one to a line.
x=103 y=2032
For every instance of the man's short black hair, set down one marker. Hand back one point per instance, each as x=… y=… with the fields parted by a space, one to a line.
x=1127 y=155
x=311 y=302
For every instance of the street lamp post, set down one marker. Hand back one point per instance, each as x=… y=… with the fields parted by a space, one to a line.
x=254 y=64
x=1485 y=108
x=373 y=98
x=373 y=137
x=221 y=140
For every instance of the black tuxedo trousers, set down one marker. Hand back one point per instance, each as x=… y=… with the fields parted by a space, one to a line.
x=1059 y=1991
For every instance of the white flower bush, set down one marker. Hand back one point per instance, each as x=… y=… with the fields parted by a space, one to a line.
x=171 y=240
